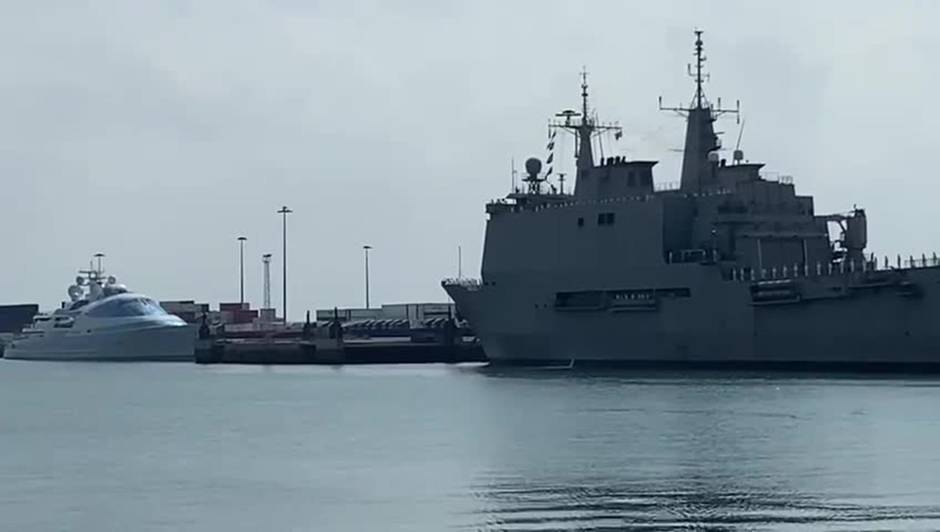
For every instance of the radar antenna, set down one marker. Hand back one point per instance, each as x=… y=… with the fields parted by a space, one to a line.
x=738 y=154
x=700 y=156
x=699 y=101
x=533 y=181
x=585 y=128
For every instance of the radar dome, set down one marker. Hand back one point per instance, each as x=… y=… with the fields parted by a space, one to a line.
x=75 y=292
x=80 y=281
x=713 y=156
x=533 y=166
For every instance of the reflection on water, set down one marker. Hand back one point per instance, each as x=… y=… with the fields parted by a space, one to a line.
x=176 y=446
x=604 y=451
x=523 y=505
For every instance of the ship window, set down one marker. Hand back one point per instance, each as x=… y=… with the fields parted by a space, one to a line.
x=592 y=299
x=78 y=304
x=673 y=292
x=580 y=221
x=605 y=218
x=123 y=308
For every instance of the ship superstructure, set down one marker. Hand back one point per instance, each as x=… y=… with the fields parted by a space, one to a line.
x=104 y=321
x=730 y=266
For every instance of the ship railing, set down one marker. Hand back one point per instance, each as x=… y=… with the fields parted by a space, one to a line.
x=777 y=177
x=505 y=205
x=463 y=282
x=847 y=267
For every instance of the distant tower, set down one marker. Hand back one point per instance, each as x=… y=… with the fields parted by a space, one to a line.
x=266 y=261
x=700 y=155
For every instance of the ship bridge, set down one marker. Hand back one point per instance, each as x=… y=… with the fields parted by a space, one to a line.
x=721 y=212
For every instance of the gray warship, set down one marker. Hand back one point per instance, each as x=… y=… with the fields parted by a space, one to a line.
x=731 y=268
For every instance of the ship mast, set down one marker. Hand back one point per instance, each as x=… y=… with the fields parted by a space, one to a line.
x=584 y=129
x=585 y=153
x=699 y=157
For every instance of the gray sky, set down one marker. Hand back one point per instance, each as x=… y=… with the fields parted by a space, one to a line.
x=157 y=132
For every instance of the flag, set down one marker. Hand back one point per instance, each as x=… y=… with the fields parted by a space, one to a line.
x=549 y=172
x=618 y=134
x=550 y=157
x=551 y=145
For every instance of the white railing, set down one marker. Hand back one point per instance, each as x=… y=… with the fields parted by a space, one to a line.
x=846 y=267
x=512 y=207
x=473 y=284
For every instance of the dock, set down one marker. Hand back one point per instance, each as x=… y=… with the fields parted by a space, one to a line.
x=332 y=351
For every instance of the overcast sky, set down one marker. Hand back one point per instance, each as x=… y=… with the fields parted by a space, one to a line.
x=157 y=132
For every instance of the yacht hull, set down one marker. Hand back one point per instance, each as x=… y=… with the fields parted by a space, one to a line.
x=147 y=344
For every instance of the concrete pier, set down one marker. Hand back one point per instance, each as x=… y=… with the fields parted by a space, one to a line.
x=331 y=351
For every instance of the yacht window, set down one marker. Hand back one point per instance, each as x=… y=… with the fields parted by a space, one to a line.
x=122 y=308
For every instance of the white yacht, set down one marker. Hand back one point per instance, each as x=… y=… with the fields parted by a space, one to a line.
x=104 y=321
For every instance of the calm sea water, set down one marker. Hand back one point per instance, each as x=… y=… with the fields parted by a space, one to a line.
x=143 y=447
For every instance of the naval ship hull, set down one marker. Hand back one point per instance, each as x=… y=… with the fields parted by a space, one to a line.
x=877 y=320
x=731 y=267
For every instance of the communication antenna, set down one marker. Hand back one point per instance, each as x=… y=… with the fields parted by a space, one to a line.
x=585 y=126
x=699 y=101
x=533 y=181
x=99 y=256
x=738 y=155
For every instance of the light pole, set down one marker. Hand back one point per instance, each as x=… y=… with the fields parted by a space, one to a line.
x=266 y=289
x=284 y=212
x=241 y=269
x=366 y=249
